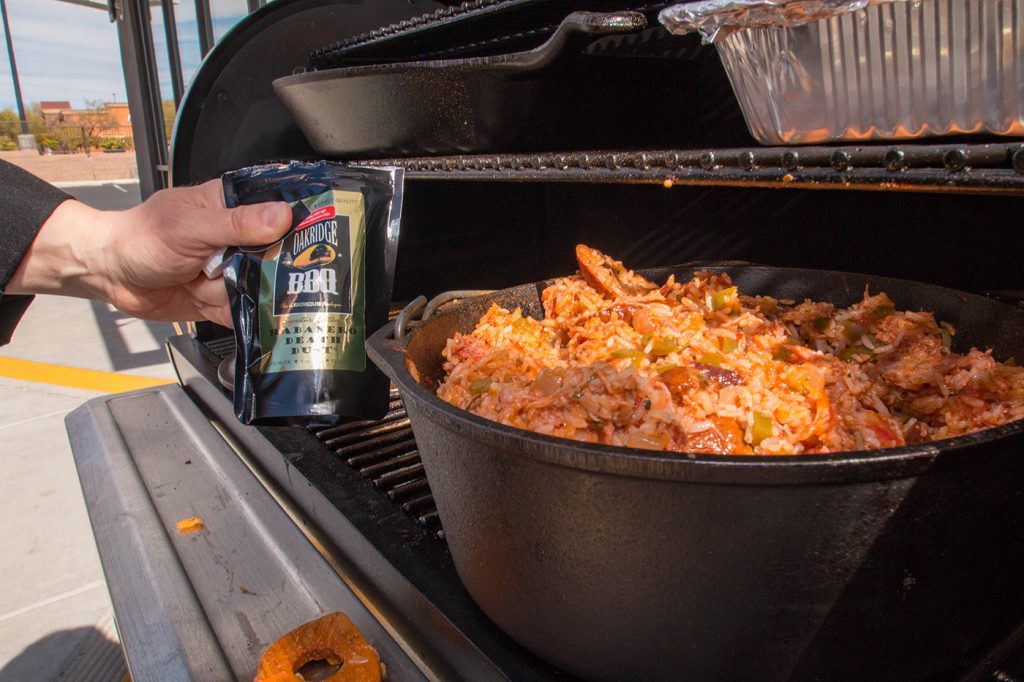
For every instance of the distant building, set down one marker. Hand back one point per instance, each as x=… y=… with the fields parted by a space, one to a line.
x=111 y=120
x=122 y=119
x=52 y=112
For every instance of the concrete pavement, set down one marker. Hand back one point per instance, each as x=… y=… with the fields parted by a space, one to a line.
x=55 y=615
x=58 y=168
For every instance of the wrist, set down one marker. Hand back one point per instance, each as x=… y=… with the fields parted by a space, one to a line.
x=69 y=256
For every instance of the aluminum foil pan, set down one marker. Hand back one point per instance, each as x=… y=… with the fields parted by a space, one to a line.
x=807 y=71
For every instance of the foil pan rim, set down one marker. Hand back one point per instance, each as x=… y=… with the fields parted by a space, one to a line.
x=716 y=20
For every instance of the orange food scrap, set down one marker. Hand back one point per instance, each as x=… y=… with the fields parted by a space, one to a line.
x=190 y=525
x=332 y=638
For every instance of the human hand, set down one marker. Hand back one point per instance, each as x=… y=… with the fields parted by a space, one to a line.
x=147 y=261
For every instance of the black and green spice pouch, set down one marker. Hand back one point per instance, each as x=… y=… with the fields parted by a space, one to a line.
x=303 y=306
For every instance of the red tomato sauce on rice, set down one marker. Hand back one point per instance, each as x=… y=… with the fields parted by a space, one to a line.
x=700 y=367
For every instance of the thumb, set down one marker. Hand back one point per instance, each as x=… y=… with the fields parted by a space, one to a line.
x=252 y=225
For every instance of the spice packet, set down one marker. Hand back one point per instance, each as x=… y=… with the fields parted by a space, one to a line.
x=303 y=306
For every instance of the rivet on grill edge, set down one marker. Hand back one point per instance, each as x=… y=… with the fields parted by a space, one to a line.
x=841 y=161
x=452 y=164
x=747 y=160
x=1018 y=161
x=561 y=162
x=519 y=163
x=538 y=162
x=611 y=161
x=643 y=161
x=473 y=164
x=707 y=160
x=790 y=160
x=460 y=164
x=672 y=160
x=955 y=160
x=584 y=160
x=894 y=160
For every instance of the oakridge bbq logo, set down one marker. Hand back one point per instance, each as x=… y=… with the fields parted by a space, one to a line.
x=314 y=269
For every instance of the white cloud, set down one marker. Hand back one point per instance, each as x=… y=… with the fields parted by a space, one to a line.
x=69 y=52
x=63 y=52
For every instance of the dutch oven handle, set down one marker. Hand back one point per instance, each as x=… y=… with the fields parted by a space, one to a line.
x=407 y=317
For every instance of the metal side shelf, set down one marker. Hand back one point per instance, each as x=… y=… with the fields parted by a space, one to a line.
x=202 y=605
x=397 y=566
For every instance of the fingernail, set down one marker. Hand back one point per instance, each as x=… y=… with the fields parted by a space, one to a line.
x=274 y=214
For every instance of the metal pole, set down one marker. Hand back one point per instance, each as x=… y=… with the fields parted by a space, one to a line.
x=14 y=70
x=138 y=59
x=173 y=53
x=204 y=22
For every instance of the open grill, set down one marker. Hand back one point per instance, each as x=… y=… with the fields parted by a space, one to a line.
x=514 y=207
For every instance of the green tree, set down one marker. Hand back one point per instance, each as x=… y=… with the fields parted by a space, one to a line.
x=36 y=124
x=10 y=126
x=95 y=118
x=170 y=111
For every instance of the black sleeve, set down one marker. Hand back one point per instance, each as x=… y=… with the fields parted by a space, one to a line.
x=25 y=204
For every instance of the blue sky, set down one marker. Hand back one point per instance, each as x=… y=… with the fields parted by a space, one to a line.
x=68 y=52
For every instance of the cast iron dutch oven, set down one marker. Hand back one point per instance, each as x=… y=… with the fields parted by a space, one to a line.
x=621 y=564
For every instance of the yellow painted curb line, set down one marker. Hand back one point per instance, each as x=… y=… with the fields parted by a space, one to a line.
x=89 y=379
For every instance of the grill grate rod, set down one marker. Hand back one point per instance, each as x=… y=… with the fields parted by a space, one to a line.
x=380 y=454
x=368 y=444
x=383 y=428
x=405 y=490
x=389 y=465
x=395 y=411
x=403 y=473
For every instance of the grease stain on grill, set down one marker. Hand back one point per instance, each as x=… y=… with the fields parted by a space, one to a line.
x=384 y=453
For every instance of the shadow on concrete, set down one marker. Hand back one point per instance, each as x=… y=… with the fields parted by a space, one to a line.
x=109 y=321
x=93 y=658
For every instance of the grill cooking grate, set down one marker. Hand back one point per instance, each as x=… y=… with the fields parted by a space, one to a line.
x=384 y=452
x=221 y=347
